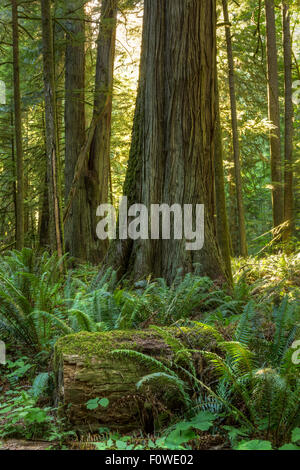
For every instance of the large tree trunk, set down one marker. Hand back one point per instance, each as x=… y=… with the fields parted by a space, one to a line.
x=77 y=225
x=18 y=133
x=274 y=115
x=243 y=251
x=172 y=154
x=289 y=114
x=55 y=219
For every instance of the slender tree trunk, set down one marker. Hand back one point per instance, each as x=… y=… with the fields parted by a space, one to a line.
x=91 y=172
x=18 y=132
x=232 y=213
x=55 y=221
x=235 y=137
x=44 y=216
x=289 y=129
x=77 y=225
x=44 y=236
x=99 y=156
x=274 y=115
x=221 y=212
x=14 y=182
x=172 y=154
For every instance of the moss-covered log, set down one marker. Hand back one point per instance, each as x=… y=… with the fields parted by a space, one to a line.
x=85 y=369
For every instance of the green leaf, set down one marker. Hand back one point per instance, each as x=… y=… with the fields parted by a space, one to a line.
x=289 y=447
x=103 y=430
x=254 y=445
x=296 y=435
x=100 y=445
x=233 y=432
x=104 y=402
x=180 y=436
x=203 y=421
x=121 y=445
x=93 y=404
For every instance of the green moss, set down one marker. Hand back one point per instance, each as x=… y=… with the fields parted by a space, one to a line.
x=98 y=345
x=93 y=345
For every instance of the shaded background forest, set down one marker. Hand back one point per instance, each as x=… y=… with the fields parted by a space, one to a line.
x=248 y=32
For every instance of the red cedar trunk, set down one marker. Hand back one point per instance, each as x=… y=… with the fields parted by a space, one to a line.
x=18 y=132
x=55 y=220
x=77 y=225
x=243 y=250
x=91 y=173
x=172 y=153
x=221 y=212
x=99 y=155
x=274 y=115
x=289 y=129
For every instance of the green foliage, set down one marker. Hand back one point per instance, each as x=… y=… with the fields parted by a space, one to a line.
x=40 y=385
x=253 y=395
x=21 y=417
x=18 y=369
x=30 y=296
x=254 y=445
x=94 y=403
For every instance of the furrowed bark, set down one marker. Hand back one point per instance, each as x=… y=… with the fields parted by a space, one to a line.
x=289 y=127
x=55 y=219
x=18 y=132
x=172 y=154
x=243 y=250
x=274 y=116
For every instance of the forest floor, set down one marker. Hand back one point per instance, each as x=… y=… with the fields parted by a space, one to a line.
x=22 y=444
x=260 y=318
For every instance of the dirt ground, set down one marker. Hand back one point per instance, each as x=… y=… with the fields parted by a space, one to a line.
x=19 y=444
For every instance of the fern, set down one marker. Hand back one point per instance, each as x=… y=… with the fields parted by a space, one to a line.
x=162 y=379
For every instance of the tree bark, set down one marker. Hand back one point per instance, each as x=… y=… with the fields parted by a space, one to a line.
x=90 y=183
x=274 y=116
x=243 y=250
x=18 y=132
x=77 y=225
x=44 y=236
x=289 y=129
x=99 y=155
x=172 y=153
x=55 y=218
x=221 y=212
x=84 y=369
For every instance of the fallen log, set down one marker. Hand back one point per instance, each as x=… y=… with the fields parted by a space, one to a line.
x=85 y=369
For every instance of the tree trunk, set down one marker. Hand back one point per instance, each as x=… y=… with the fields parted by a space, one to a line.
x=14 y=179
x=55 y=220
x=243 y=251
x=289 y=129
x=172 y=154
x=18 y=132
x=90 y=181
x=232 y=212
x=99 y=156
x=274 y=116
x=221 y=212
x=77 y=225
